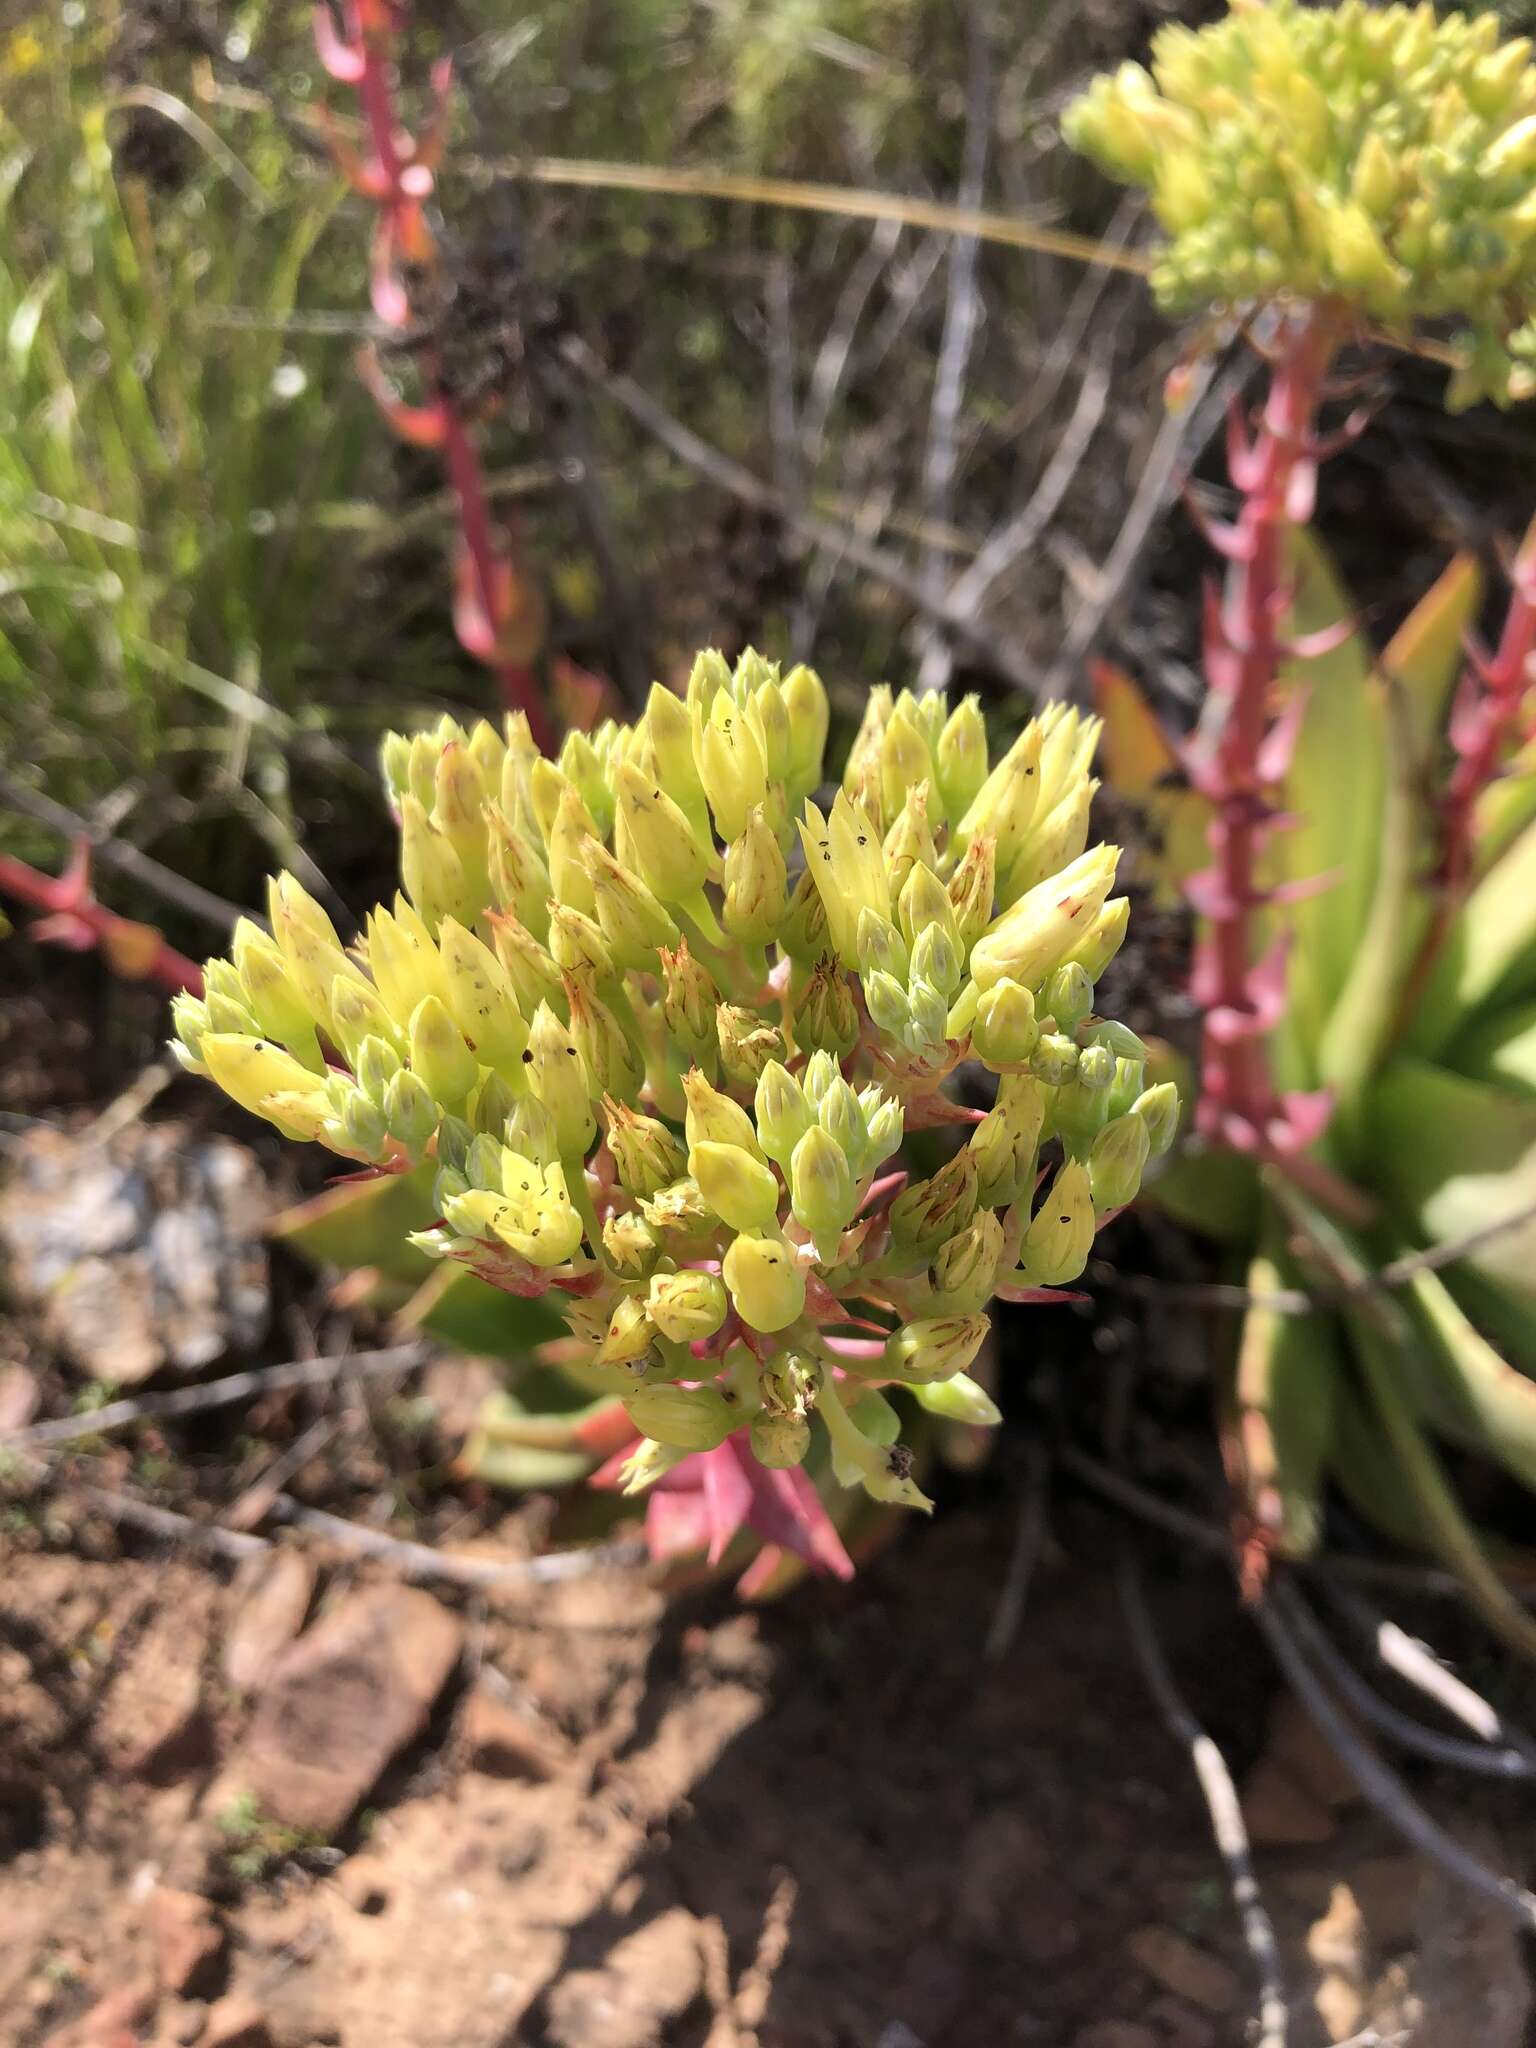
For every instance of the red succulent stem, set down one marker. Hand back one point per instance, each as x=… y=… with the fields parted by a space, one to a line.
x=1485 y=722
x=397 y=181
x=73 y=918
x=1275 y=473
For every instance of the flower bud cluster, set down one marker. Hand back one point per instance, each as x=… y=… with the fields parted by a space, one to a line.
x=1382 y=157
x=652 y=1020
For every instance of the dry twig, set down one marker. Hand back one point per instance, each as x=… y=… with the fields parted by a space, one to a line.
x=1221 y=1799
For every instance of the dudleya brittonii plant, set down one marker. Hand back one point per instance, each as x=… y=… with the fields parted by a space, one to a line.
x=659 y=1021
x=1382 y=156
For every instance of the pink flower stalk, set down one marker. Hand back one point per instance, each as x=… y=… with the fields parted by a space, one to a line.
x=75 y=920
x=495 y=614
x=707 y=1499
x=1274 y=467
x=1485 y=720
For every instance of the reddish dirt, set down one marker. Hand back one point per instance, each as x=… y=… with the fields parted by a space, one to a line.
x=827 y=1824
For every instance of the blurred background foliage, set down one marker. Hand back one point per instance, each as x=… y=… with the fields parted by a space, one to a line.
x=220 y=577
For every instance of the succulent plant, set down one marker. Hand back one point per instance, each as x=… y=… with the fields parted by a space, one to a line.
x=1378 y=156
x=652 y=1023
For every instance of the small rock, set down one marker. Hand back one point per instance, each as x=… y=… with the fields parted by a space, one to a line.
x=278 y=1586
x=152 y=1724
x=188 y=1940
x=504 y=1743
x=343 y=1701
x=649 y=1980
x=1280 y=1812
x=1175 y=1963
x=236 y=2022
x=184 y=2023
x=112 y=2022
x=138 y=1252
x=1115 y=2034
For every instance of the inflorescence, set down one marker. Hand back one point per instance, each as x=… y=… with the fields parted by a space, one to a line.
x=1379 y=156
x=654 y=1023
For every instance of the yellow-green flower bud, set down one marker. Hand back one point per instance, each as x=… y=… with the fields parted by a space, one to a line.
x=227 y=1014
x=439 y=1053
x=756 y=881
x=1067 y=995
x=273 y=995
x=741 y=1190
x=519 y=874
x=530 y=966
x=375 y=1066
x=711 y=1115
x=454 y=1138
x=647 y=1463
x=633 y=923
x=883 y=1126
x=480 y=998
x=1047 y=923
x=805 y=934
x=614 y=1064
x=961 y=758
x=403 y=960
x=577 y=944
x=958 y=1399
x=1055 y=1059
x=825 y=1017
x=251 y=1069
x=531 y=1130
x=883 y=1470
x=746 y=1043
x=189 y=1016
x=886 y=1001
x=924 y=901
x=881 y=948
x=1005 y=1032
x=680 y=1211
x=909 y=840
x=805 y=702
x=822 y=1192
x=766 y=1282
x=779 y=1441
x=784 y=1115
x=925 y=1214
x=1005 y=1143
x=731 y=763
x=364 y=1126
x=357 y=1013
x=929 y=1014
x=905 y=759
x=631 y=1244
x=840 y=1114
x=1158 y=1108
x=936 y=959
x=583 y=769
x=971 y=890
x=934 y=1348
x=1095 y=1068
x=460 y=792
x=430 y=869
x=689 y=1002
x=1060 y=1233
x=310 y=948
x=965 y=1266
x=557 y=1074
x=673 y=861
x=686 y=1307
x=410 y=1113
x=491 y=1105
x=685 y=1418
x=630 y=1335
x=844 y=858
x=1116 y=1162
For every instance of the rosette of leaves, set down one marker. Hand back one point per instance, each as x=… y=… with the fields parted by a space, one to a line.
x=639 y=1043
